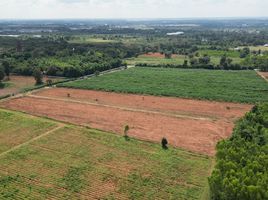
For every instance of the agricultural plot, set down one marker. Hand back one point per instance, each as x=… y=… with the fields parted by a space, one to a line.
x=157 y=58
x=18 y=84
x=89 y=39
x=256 y=48
x=231 y=86
x=176 y=59
x=80 y=163
x=193 y=125
x=16 y=129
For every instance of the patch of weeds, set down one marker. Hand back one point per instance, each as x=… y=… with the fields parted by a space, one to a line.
x=6 y=180
x=73 y=179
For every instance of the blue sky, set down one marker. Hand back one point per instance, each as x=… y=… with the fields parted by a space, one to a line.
x=49 y=9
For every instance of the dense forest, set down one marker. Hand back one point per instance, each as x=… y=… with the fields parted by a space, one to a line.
x=56 y=57
x=241 y=170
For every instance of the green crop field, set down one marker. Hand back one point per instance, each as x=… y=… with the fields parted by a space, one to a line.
x=215 y=57
x=233 y=86
x=217 y=53
x=79 y=163
x=16 y=129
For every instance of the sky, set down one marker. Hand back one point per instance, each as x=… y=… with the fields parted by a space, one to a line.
x=122 y=9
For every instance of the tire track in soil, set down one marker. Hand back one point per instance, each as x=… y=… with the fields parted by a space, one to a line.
x=126 y=108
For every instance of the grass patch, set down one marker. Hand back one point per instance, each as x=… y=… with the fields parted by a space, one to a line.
x=231 y=86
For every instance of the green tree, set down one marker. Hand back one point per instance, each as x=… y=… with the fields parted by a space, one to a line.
x=38 y=76
x=2 y=73
x=6 y=66
x=168 y=55
x=164 y=143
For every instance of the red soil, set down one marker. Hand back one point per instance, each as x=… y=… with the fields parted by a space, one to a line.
x=19 y=83
x=190 y=124
x=264 y=75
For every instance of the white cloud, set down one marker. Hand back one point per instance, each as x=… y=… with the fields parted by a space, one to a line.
x=131 y=8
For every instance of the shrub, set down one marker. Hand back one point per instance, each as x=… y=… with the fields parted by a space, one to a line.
x=164 y=143
x=126 y=129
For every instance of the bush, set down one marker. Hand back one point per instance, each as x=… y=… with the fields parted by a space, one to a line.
x=164 y=143
x=126 y=129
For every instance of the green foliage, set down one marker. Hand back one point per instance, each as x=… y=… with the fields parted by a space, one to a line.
x=126 y=129
x=38 y=76
x=59 y=58
x=2 y=73
x=241 y=171
x=233 y=86
x=164 y=143
x=72 y=179
x=6 y=66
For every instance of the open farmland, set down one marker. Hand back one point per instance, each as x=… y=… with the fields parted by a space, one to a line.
x=193 y=125
x=157 y=58
x=79 y=163
x=231 y=86
x=18 y=84
x=176 y=59
x=16 y=129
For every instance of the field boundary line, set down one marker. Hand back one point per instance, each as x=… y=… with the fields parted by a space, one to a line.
x=126 y=108
x=266 y=79
x=60 y=125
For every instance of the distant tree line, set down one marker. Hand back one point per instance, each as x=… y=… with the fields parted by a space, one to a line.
x=56 y=57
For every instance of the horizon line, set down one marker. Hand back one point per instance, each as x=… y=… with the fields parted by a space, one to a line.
x=141 y=19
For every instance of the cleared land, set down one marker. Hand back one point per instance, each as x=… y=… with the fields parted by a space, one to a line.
x=19 y=83
x=189 y=124
x=230 y=86
x=79 y=163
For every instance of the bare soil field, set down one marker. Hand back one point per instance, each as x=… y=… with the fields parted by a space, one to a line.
x=18 y=83
x=189 y=124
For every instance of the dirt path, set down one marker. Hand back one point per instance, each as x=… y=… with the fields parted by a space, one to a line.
x=179 y=106
x=199 y=136
x=126 y=108
x=264 y=75
x=60 y=125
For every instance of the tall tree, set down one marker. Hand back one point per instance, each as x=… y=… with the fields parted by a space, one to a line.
x=38 y=76
x=6 y=66
x=2 y=73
